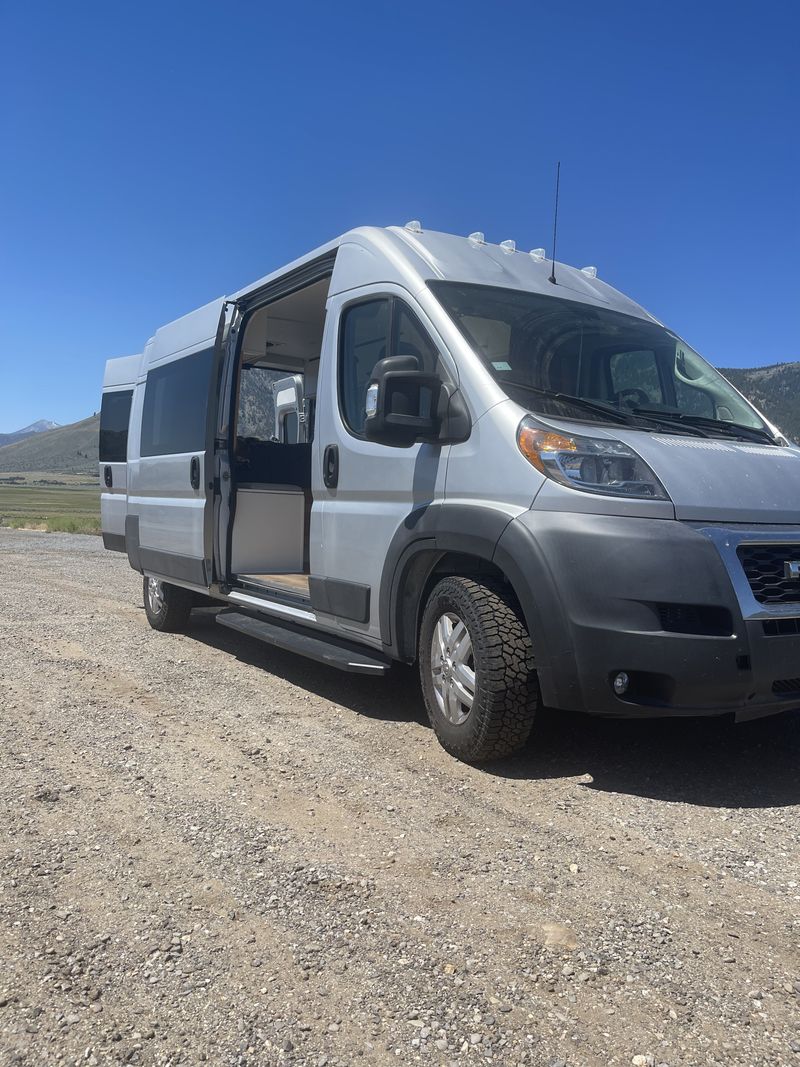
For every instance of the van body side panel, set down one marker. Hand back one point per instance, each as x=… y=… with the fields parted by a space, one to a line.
x=114 y=466
x=169 y=490
x=132 y=512
x=115 y=416
x=170 y=509
x=113 y=509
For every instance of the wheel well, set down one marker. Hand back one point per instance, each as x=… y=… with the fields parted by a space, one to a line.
x=421 y=575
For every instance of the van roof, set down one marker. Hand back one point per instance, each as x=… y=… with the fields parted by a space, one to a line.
x=414 y=257
x=409 y=257
x=124 y=370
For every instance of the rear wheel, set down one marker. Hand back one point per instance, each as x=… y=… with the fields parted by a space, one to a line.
x=476 y=666
x=167 y=606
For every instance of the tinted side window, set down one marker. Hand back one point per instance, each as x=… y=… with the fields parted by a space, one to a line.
x=175 y=403
x=637 y=371
x=115 y=412
x=410 y=339
x=695 y=401
x=364 y=341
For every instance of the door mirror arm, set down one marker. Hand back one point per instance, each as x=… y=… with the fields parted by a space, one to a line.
x=455 y=423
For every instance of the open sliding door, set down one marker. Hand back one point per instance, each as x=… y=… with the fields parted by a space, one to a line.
x=172 y=482
x=233 y=328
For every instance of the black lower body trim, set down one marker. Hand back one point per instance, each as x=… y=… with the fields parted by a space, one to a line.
x=114 y=542
x=132 y=541
x=346 y=600
x=171 y=565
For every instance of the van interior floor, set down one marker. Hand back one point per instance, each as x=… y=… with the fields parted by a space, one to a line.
x=294 y=584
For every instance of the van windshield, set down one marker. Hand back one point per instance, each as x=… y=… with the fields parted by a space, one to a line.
x=573 y=360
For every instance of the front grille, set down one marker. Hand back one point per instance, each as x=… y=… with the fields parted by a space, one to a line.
x=702 y=619
x=782 y=627
x=786 y=686
x=765 y=568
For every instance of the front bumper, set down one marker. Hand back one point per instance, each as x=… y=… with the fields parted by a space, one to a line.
x=603 y=594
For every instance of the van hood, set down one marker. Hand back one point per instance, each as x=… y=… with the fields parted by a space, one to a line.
x=716 y=480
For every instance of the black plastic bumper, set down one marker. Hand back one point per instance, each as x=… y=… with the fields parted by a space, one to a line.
x=596 y=591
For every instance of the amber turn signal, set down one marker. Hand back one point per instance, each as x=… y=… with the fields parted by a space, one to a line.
x=533 y=442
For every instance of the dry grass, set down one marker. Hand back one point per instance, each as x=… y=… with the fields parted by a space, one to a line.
x=61 y=509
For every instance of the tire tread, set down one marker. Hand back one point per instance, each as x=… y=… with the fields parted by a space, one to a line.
x=507 y=692
x=178 y=603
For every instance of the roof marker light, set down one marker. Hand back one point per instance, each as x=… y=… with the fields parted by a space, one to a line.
x=414 y=226
x=590 y=272
x=538 y=254
x=508 y=246
x=476 y=238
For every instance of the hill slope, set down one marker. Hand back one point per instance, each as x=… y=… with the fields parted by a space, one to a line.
x=26 y=431
x=67 y=449
x=775 y=390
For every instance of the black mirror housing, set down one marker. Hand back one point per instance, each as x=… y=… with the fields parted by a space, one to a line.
x=402 y=402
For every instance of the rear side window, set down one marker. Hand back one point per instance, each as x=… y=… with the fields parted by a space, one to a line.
x=175 y=405
x=115 y=413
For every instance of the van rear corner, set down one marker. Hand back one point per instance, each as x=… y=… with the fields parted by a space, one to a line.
x=115 y=410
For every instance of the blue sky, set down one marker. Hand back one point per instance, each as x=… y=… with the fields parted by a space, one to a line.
x=155 y=156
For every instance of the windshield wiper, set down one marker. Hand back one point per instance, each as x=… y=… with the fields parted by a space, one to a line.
x=627 y=418
x=596 y=406
x=725 y=429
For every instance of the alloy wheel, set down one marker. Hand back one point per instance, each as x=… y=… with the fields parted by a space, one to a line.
x=453 y=668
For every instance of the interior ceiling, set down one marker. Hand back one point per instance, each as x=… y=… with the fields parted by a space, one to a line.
x=289 y=330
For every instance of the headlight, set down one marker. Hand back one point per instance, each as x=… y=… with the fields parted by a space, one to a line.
x=592 y=464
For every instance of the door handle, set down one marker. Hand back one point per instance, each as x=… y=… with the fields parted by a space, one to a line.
x=194 y=472
x=330 y=466
x=108 y=477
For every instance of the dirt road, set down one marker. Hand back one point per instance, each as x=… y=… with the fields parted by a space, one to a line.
x=215 y=852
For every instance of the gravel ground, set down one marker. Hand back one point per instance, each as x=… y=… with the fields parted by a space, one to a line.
x=214 y=852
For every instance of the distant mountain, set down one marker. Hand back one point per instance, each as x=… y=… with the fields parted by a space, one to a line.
x=40 y=426
x=775 y=390
x=35 y=427
x=66 y=449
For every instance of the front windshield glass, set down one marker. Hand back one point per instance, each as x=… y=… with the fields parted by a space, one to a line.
x=536 y=346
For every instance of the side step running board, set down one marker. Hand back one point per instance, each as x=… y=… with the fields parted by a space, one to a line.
x=323 y=648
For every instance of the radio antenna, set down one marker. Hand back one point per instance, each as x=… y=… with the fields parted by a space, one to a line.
x=552 y=277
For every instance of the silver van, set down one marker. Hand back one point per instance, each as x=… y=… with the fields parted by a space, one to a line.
x=410 y=446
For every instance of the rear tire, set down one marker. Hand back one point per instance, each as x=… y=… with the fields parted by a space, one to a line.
x=476 y=667
x=167 y=606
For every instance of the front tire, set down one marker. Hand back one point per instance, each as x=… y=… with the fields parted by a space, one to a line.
x=167 y=606
x=476 y=667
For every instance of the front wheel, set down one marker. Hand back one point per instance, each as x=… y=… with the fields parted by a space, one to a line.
x=476 y=666
x=167 y=606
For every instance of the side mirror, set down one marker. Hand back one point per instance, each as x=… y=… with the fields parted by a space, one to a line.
x=402 y=402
